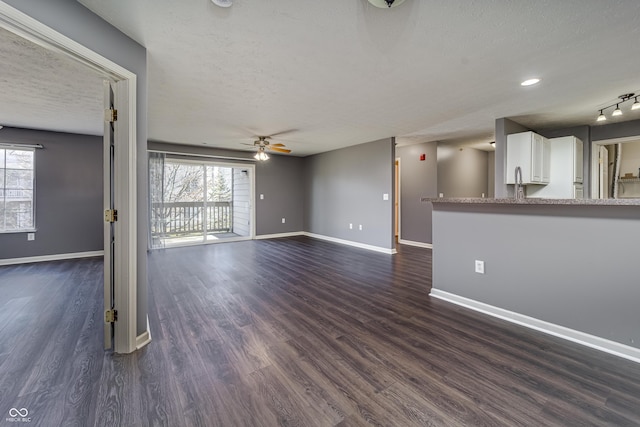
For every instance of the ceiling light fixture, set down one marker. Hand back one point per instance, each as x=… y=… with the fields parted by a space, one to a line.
x=618 y=111
x=530 y=82
x=261 y=155
x=386 y=4
x=222 y=3
x=601 y=117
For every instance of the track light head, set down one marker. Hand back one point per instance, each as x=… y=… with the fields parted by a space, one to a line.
x=617 y=111
x=636 y=104
x=601 y=117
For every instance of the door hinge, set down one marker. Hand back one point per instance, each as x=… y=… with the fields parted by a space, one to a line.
x=111 y=115
x=110 y=215
x=110 y=316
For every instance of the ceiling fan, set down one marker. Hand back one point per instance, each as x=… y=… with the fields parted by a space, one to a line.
x=263 y=144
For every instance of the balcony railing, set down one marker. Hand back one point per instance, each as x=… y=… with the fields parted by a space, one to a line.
x=190 y=218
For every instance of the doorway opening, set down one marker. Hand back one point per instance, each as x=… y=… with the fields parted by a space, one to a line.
x=616 y=168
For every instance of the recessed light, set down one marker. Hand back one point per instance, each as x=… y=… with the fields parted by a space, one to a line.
x=530 y=82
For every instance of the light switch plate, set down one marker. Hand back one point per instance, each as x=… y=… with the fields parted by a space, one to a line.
x=479 y=267
x=385 y=196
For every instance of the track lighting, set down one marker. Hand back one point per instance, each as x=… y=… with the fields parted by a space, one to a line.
x=618 y=112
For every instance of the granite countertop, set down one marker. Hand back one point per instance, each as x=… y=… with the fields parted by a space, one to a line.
x=535 y=201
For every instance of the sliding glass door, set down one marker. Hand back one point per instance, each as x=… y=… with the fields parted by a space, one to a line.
x=198 y=202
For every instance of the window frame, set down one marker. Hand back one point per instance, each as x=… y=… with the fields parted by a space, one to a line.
x=19 y=147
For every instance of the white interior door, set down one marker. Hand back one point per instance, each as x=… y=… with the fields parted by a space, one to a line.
x=109 y=204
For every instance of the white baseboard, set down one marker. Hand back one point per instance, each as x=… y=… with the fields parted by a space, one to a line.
x=598 y=343
x=144 y=338
x=351 y=243
x=56 y=257
x=279 y=235
x=417 y=244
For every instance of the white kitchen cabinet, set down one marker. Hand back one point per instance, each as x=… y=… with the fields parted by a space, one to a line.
x=532 y=153
x=566 y=171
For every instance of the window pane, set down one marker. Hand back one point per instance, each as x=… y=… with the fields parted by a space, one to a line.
x=16 y=190
x=19 y=179
x=18 y=215
x=19 y=159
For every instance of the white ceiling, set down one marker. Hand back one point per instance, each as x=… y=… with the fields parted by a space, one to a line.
x=342 y=72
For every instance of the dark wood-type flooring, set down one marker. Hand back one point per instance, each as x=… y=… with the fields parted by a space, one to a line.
x=295 y=332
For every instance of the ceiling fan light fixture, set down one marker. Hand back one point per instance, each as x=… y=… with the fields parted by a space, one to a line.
x=261 y=156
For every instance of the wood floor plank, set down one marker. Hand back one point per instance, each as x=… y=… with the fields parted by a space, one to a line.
x=293 y=331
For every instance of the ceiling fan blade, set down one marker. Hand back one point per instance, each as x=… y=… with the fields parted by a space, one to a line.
x=277 y=145
x=284 y=132
x=277 y=149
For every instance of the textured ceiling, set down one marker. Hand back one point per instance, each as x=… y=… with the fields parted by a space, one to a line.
x=42 y=89
x=341 y=72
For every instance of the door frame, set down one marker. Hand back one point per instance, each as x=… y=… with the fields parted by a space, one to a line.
x=398 y=189
x=30 y=29
x=222 y=162
x=595 y=146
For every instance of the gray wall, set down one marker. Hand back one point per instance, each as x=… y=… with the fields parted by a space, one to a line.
x=417 y=179
x=574 y=266
x=615 y=130
x=70 y=18
x=68 y=195
x=346 y=186
x=462 y=172
x=504 y=127
x=280 y=179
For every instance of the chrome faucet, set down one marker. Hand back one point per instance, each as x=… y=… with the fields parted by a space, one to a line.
x=519 y=189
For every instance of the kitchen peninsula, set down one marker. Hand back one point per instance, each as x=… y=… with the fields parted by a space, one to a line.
x=568 y=267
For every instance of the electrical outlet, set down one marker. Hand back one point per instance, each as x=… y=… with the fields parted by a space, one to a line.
x=31 y=236
x=262 y=197
x=283 y=220
x=441 y=195
x=360 y=227
x=350 y=226
x=479 y=267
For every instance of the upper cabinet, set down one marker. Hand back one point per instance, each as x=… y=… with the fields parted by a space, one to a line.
x=532 y=153
x=566 y=171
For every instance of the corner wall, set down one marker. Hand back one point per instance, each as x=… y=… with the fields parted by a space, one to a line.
x=68 y=195
x=346 y=186
x=418 y=179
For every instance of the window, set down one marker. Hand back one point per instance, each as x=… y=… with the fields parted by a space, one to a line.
x=17 y=178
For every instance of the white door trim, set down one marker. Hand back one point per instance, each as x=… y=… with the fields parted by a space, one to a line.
x=25 y=26
x=595 y=146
